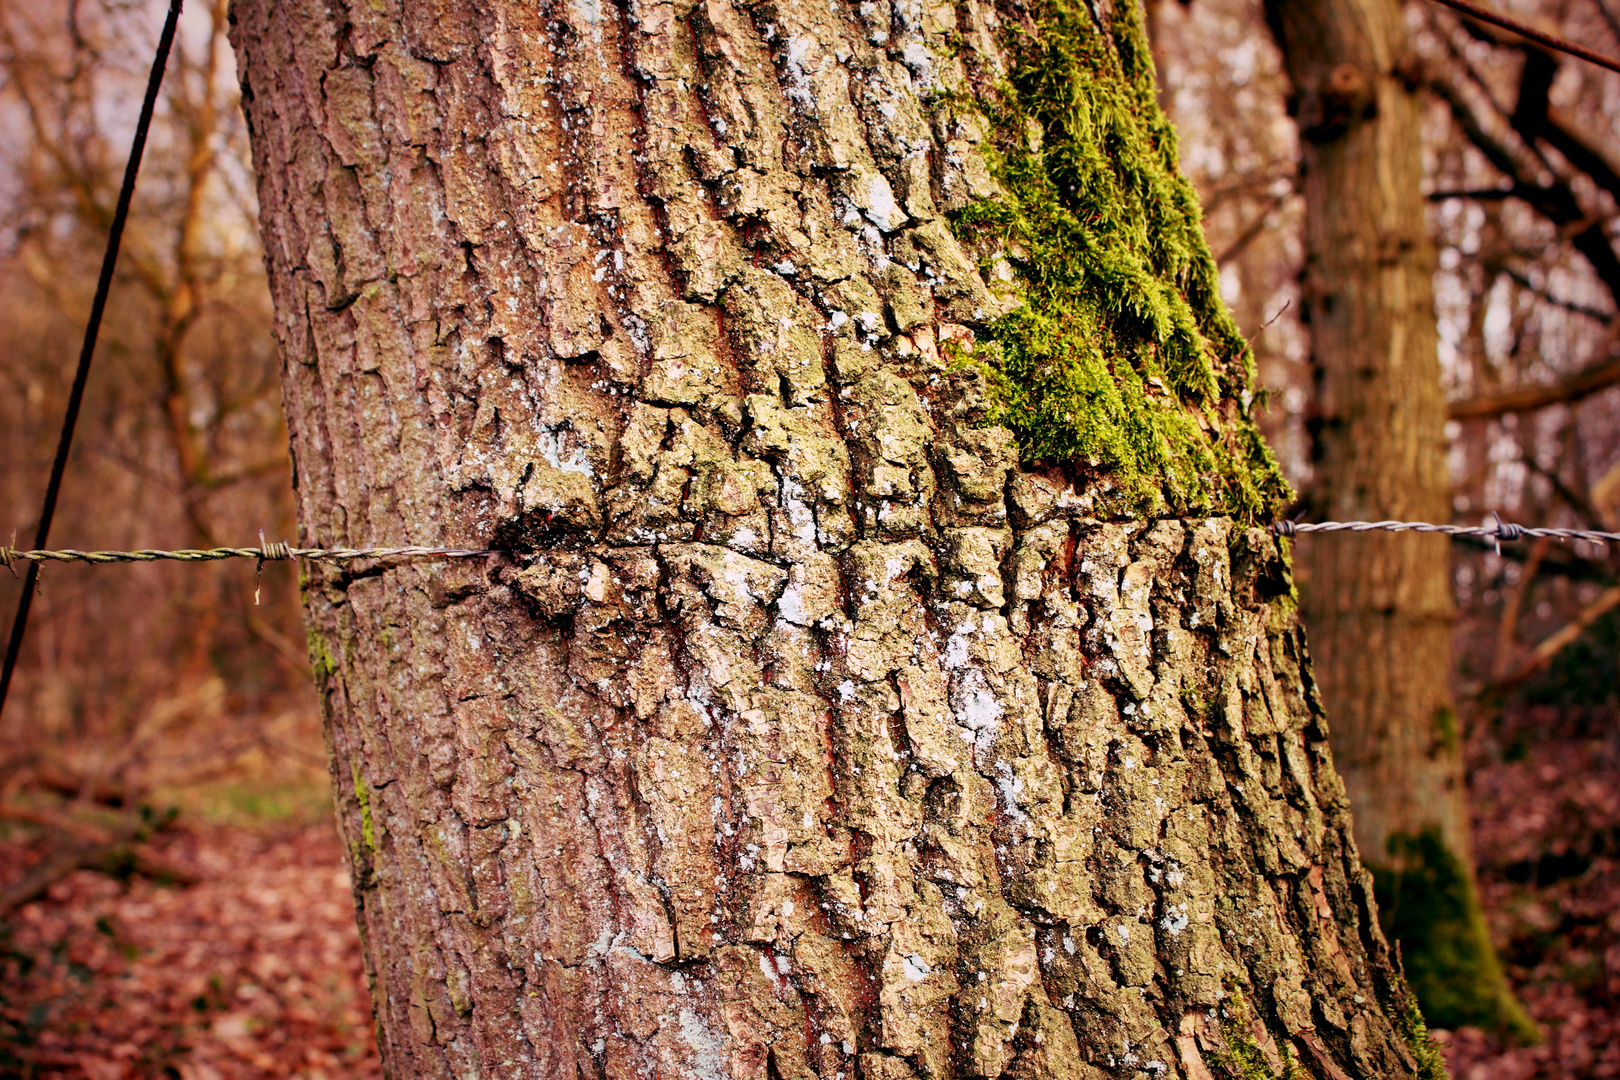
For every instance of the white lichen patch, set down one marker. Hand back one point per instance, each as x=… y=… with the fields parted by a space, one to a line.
x=708 y=1060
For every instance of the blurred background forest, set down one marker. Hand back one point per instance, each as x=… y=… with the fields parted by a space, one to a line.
x=218 y=941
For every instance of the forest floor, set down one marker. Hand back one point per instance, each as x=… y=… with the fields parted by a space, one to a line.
x=1545 y=784
x=253 y=968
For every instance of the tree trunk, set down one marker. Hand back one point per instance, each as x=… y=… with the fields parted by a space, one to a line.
x=1379 y=606
x=811 y=734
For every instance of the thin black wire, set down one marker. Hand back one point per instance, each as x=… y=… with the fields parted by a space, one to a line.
x=1541 y=37
x=109 y=261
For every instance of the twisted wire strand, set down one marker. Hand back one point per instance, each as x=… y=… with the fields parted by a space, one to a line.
x=280 y=552
x=276 y=552
x=1499 y=531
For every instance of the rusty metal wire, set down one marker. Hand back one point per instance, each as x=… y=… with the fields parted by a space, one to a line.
x=278 y=552
x=1498 y=531
x=272 y=552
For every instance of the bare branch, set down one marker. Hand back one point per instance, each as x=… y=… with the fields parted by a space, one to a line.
x=1252 y=230
x=1524 y=282
x=1525 y=30
x=1545 y=653
x=1515 y=604
x=1583 y=383
x=1557 y=202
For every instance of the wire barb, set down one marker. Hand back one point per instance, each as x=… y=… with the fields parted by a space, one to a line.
x=276 y=551
x=1497 y=531
x=272 y=552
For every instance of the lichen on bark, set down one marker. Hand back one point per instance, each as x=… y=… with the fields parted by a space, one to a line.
x=1121 y=357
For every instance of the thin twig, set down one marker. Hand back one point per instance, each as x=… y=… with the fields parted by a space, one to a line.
x=1523 y=281
x=1252 y=230
x=1267 y=324
x=1525 y=30
x=1545 y=653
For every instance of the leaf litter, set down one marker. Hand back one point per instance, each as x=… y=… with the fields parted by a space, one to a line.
x=252 y=971
x=1545 y=788
x=255 y=969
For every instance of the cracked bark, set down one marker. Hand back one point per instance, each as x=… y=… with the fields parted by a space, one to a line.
x=815 y=737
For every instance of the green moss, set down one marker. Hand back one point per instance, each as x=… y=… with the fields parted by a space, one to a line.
x=1241 y=1054
x=368 y=828
x=1122 y=359
x=320 y=658
x=1428 y=903
x=1410 y=1026
x=1445 y=730
x=254 y=802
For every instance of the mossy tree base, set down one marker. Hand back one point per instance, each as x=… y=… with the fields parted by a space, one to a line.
x=1429 y=905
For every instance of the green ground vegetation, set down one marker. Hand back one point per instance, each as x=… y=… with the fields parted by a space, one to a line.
x=1122 y=360
x=252 y=801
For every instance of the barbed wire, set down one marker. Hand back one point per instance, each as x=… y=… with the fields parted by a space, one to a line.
x=1498 y=531
x=274 y=552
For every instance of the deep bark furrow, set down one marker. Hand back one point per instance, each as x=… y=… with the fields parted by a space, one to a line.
x=814 y=738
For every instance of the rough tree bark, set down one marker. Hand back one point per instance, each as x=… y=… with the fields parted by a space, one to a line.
x=1379 y=608
x=812 y=735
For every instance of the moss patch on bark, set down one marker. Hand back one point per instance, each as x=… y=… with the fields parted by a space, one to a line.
x=1242 y=1055
x=1427 y=903
x=1122 y=360
x=1414 y=1031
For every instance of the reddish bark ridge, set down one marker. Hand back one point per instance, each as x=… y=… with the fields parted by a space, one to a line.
x=815 y=738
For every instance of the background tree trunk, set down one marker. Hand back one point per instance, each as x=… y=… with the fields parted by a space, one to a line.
x=1379 y=608
x=816 y=737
